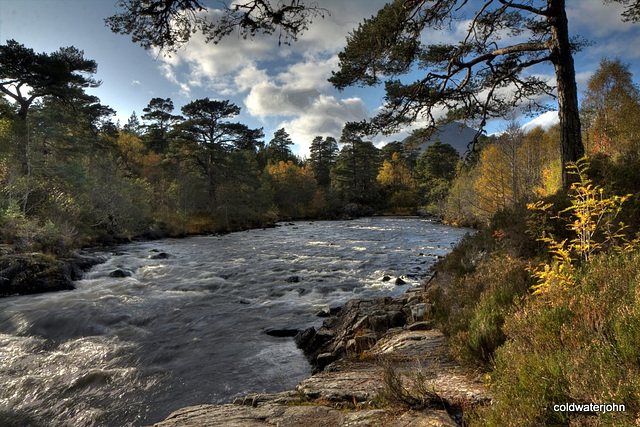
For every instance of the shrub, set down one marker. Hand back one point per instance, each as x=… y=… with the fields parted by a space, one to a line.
x=473 y=312
x=582 y=348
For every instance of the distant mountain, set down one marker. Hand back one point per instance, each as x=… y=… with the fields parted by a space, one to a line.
x=456 y=134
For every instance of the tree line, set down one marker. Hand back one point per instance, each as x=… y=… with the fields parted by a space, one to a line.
x=72 y=176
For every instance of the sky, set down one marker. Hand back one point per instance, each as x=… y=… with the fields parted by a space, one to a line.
x=276 y=86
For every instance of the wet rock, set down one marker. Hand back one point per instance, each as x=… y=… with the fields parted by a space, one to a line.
x=357 y=318
x=33 y=274
x=76 y=265
x=396 y=318
x=335 y=310
x=281 y=332
x=120 y=273
x=379 y=323
x=399 y=282
x=386 y=278
x=324 y=359
x=161 y=255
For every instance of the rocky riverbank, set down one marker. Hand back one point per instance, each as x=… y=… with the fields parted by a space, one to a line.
x=34 y=273
x=376 y=362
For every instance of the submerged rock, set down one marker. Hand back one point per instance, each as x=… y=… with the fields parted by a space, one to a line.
x=120 y=273
x=161 y=255
x=281 y=332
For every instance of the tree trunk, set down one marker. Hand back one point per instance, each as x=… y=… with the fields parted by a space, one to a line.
x=571 y=147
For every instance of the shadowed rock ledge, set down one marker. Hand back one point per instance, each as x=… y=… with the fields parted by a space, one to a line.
x=34 y=273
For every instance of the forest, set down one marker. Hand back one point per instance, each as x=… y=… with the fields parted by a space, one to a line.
x=72 y=177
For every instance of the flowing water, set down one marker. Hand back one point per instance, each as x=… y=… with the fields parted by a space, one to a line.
x=189 y=329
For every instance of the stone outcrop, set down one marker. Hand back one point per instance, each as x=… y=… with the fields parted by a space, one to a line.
x=351 y=391
x=354 y=353
x=359 y=325
x=35 y=273
x=119 y=273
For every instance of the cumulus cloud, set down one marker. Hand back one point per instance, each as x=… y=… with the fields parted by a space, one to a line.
x=325 y=116
x=286 y=83
x=545 y=121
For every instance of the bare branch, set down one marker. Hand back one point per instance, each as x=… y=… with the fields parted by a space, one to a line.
x=528 y=8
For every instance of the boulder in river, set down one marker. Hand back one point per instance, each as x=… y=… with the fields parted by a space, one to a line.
x=160 y=255
x=120 y=273
x=36 y=273
x=281 y=332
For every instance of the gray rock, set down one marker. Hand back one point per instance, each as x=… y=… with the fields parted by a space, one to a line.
x=379 y=323
x=120 y=273
x=281 y=332
x=421 y=326
x=420 y=312
x=161 y=255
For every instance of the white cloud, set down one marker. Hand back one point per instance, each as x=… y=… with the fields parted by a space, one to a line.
x=290 y=91
x=596 y=18
x=545 y=121
x=135 y=82
x=325 y=116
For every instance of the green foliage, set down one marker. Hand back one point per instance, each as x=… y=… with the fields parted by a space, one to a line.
x=473 y=311
x=354 y=175
x=29 y=235
x=278 y=149
x=322 y=158
x=439 y=161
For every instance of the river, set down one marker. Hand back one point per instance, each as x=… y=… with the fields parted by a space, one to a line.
x=187 y=327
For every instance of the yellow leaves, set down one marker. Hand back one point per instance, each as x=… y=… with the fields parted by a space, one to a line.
x=590 y=213
x=395 y=173
x=493 y=186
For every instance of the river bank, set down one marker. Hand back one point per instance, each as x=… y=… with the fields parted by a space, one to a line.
x=35 y=273
x=376 y=362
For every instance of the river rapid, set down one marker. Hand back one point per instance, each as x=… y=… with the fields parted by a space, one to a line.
x=188 y=328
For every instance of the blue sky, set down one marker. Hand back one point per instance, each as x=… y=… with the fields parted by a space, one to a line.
x=276 y=87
